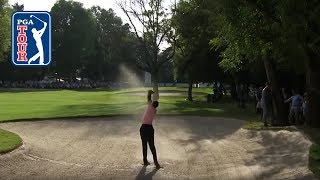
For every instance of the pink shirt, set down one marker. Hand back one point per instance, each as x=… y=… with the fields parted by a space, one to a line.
x=149 y=114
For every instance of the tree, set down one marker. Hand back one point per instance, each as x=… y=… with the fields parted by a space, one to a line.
x=7 y=71
x=276 y=32
x=299 y=24
x=73 y=37
x=150 y=20
x=5 y=15
x=166 y=73
x=194 y=58
x=113 y=44
x=18 y=7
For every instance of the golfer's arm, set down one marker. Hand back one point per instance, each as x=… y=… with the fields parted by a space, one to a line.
x=288 y=100
x=149 y=98
x=43 y=29
x=284 y=94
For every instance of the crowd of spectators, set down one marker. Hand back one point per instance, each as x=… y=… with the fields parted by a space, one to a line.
x=62 y=85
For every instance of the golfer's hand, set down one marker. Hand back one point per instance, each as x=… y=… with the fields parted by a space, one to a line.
x=150 y=92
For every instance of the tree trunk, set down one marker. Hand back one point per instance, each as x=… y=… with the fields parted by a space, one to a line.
x=155 y=81
x=190 y=91
x=233 y=91
x=280 y=115
x=100 y=72
x=312 y=67
x=71 y=78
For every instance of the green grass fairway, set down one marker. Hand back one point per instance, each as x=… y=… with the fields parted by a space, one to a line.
x=34 y=104
x=8 y=141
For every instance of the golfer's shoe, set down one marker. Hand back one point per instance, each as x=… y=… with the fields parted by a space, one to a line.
x=146 y=163
x=158 y=165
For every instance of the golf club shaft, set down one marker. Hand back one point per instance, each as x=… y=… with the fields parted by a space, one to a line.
x=38 y=19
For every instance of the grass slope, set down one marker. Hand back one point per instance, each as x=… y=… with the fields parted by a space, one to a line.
x=8 y=141
x=314 y=159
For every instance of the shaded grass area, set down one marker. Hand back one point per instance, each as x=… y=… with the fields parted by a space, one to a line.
x=173 y=106
x=41 y=104
x=254 y=125
x=314 y=159
x=314 y=153
x=259 y=125
x=8 y=141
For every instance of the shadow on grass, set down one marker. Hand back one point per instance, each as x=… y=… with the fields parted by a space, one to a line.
x=202 y=108
x=257 y=125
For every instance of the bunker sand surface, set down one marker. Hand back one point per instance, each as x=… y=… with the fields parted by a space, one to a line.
x=188 y=148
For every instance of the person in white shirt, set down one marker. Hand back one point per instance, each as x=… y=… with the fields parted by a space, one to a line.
x=266 y=103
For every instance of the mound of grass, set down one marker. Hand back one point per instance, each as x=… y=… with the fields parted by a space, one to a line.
x=315 y=152
x=8 y=141
x=259 y=125
x=253 y=125
x=314 y=159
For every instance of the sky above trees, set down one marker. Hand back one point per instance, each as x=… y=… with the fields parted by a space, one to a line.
x=34 y=5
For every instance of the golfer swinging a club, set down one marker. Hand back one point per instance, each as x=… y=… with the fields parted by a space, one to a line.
x=147 y=131
x=37 y=37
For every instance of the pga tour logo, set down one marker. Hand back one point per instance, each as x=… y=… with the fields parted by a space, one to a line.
x=31 y=38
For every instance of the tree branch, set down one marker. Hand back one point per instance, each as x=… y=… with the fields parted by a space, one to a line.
x=131 y=22
x=266 y=13
x=144 y=68
x=142 y=40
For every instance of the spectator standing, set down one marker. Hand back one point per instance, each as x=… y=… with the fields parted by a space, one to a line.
x=266 y=103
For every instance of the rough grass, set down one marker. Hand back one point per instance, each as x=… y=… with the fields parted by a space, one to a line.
x=314 y=159
x=315 y=152
x=259 y=125
x=8 y=141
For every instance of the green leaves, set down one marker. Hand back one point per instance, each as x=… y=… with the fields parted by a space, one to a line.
x=73 y=36
x=247 y=28
x=5 y=15
x=194 y=58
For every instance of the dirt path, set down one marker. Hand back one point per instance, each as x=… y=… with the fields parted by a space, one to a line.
x=188 y=148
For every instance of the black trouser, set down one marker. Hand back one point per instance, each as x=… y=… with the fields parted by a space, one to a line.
x=147 y=136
